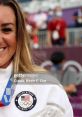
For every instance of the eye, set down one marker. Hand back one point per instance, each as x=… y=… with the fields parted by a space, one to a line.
x=6 y=30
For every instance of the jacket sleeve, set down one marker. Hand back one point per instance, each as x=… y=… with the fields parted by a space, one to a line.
x=57 y=105
x=50 y=111
x=59 y=98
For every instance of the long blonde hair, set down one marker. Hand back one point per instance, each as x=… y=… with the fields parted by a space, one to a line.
x=22 y=58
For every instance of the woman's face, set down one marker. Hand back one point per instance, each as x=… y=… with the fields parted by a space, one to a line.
x=7 y=35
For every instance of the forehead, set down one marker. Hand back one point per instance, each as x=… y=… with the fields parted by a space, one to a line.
x=6 y=14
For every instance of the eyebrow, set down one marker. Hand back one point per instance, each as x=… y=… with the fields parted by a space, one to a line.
x=6 y=24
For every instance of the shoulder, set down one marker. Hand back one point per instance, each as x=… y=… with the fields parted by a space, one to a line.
x=64 y=22
x=51 y=22
x=37 y=69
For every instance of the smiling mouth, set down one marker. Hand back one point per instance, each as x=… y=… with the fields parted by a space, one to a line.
x=2 y=49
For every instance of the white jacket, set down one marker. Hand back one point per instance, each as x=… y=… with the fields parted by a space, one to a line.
x=38 y=101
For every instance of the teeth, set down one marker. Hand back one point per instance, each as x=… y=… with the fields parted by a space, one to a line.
x=1 y=49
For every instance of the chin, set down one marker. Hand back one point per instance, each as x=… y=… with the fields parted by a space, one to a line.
x=5 y=64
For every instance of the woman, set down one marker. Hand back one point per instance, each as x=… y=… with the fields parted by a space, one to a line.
x=24 y=100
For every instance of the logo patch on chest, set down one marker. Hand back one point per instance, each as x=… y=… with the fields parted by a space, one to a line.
x=25 y=101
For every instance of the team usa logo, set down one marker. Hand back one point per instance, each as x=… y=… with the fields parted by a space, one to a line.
x=25 y=100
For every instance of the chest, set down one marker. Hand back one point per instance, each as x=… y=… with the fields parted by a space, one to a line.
x=26 y=101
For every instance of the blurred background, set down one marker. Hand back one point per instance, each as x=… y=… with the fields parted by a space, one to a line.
x=55 y=26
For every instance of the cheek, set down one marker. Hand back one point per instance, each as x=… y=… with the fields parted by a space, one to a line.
x=11 y=41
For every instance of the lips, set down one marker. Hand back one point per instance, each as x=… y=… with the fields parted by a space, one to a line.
x=2 y=49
